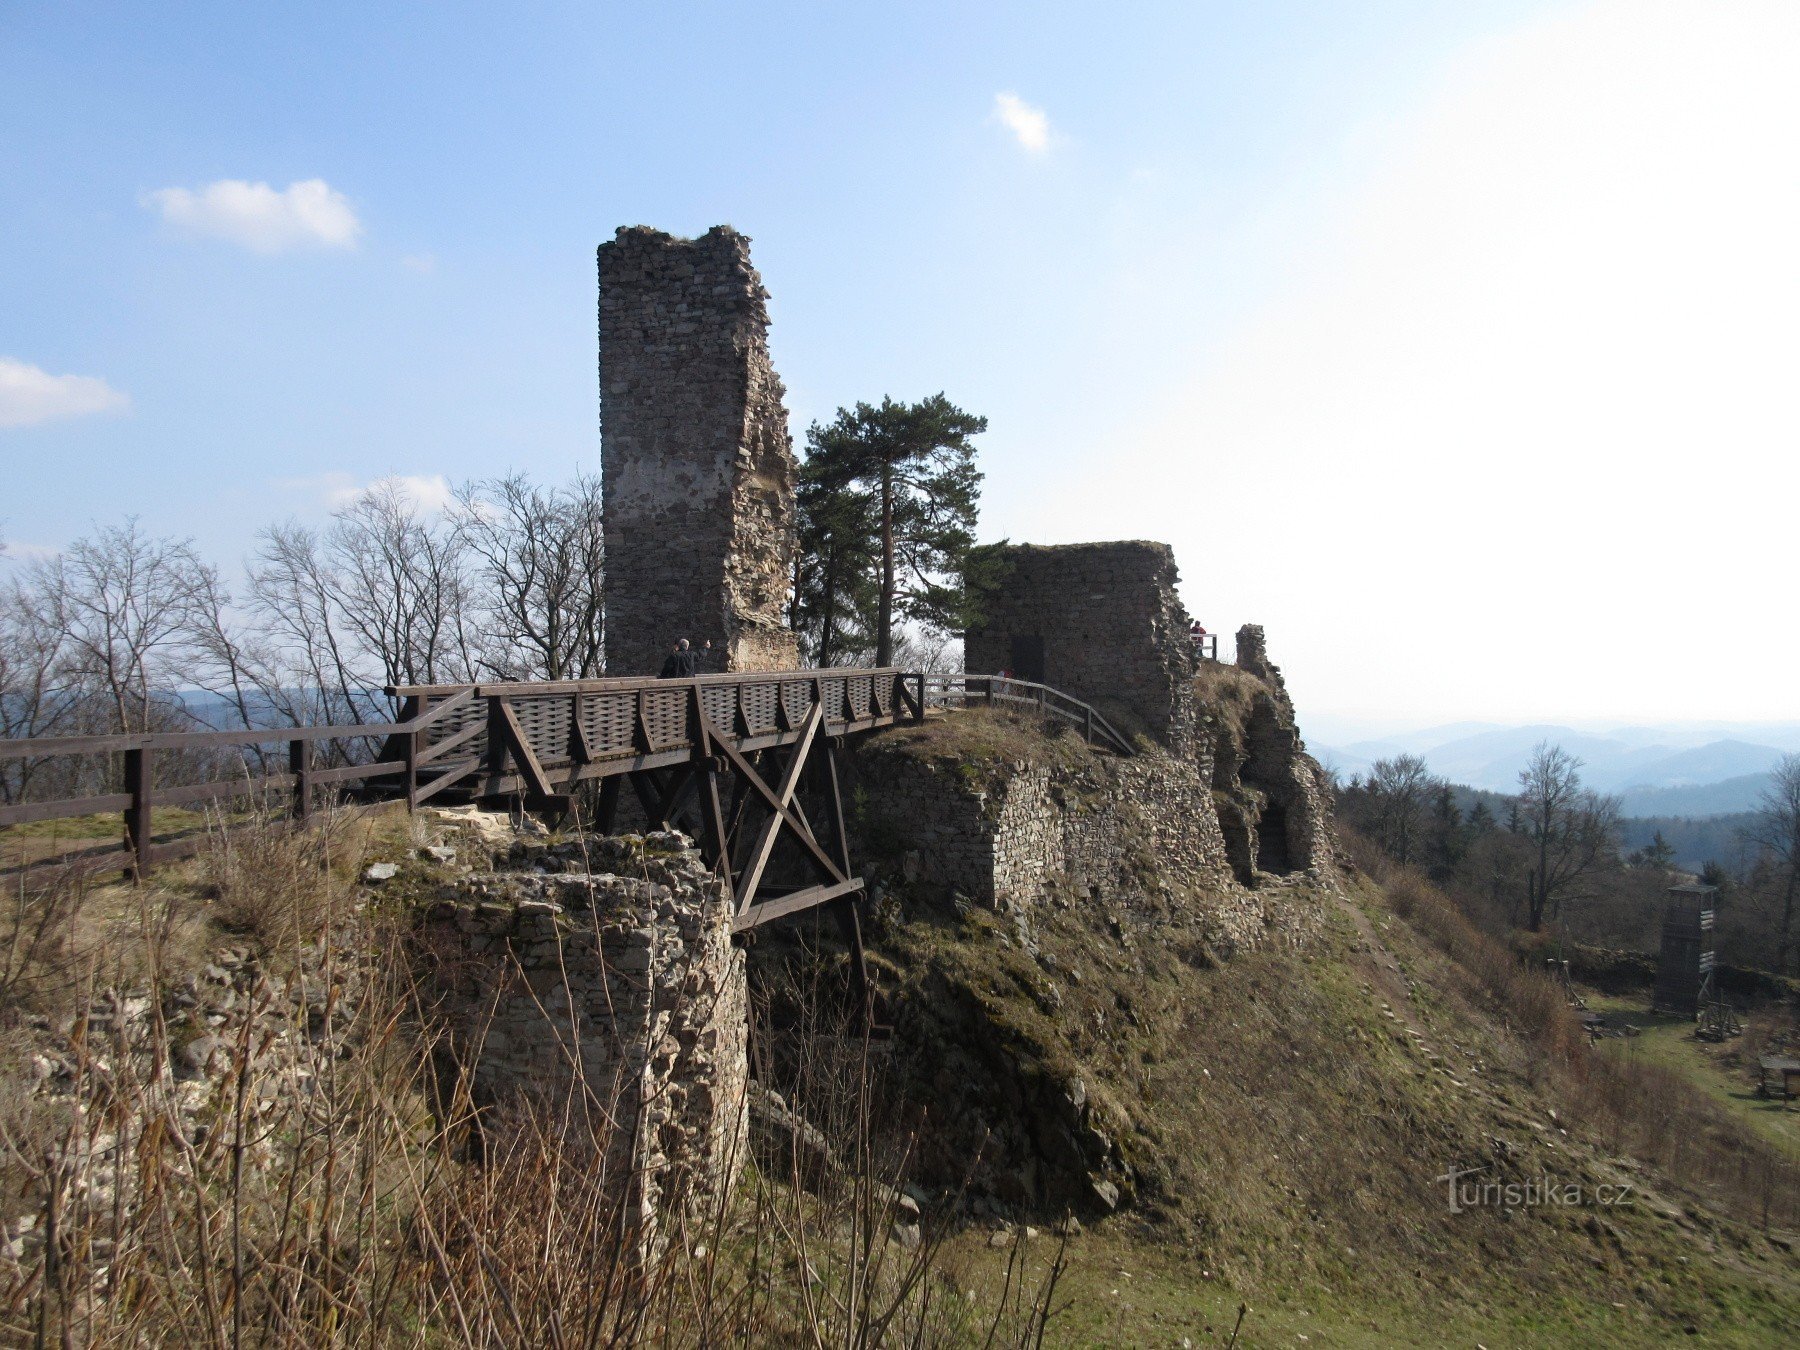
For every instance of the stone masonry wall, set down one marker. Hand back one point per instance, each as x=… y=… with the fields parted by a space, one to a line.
x=617 y=988
x=1230 y=817
x=1265 y=766
x=697 y=466
x=1114 y=634
x=1008 y=839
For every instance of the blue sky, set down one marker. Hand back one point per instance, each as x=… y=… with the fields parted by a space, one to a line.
x=1374 y=311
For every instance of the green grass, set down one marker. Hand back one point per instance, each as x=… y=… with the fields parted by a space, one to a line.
x=1721 y=1071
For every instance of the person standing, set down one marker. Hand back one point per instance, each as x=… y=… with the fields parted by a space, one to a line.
x=679 y=665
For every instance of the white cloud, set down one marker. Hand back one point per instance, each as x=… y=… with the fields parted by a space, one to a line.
x=1030 y=126
x=1516 y=438
x=309 y=214
x=21 y=551
x=337 y=489
x=422 y=263
x=29 y=395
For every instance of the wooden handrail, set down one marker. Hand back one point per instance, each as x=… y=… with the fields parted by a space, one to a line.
x=628 y=683
x=1065 y=706
x=518 y=759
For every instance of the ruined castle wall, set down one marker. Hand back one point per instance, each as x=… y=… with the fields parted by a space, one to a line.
x=1223 y=822
x=1111 y=629
x=618 y=990
x=697 y=466
x=1010 y=837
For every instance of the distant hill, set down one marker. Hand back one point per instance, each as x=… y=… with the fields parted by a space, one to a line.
x=1631 y=761
x=1699 y=799
x=1696 y=842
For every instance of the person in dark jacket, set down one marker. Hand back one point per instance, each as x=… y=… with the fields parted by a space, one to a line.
x=680 y=663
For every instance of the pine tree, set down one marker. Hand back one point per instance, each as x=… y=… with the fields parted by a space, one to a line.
x=916 y=465
x=834 y=566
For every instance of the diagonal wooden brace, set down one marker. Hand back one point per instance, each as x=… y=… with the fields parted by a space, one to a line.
x=781 y=811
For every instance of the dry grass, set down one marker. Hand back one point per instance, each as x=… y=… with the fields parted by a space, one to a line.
x=320 y=1189
x=273 y=884
x=1227 y=689
x=1630 y=1105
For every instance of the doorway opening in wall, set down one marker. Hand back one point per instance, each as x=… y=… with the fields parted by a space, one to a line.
x=1237 y=845
x=1272 y=842
x=1028 y=657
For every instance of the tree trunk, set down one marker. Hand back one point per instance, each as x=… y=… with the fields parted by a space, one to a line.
x=884 y=619
x=1787 y=920
x=828 y=611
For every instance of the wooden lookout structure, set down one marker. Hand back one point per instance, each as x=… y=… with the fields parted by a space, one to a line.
x=1684 y=970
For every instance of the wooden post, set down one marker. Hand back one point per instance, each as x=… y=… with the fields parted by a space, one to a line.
x=137 y=815
x=414 y=739
x=300 y=765
x=608 y=811
x=1087 y=728
x=496 y=734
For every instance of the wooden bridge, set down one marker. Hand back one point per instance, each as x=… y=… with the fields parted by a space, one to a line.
x=733 y=756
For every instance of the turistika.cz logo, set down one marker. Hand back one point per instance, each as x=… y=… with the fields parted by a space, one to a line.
x=1531 y=1193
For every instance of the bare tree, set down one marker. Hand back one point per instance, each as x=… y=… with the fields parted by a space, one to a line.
x=324 y=677
x=1400 y=789
x=400 y=582
x=381 y=597
x=1574 y=832
x=540 y=556
x=1776 y=830
x=123 y=604
x=38 y=696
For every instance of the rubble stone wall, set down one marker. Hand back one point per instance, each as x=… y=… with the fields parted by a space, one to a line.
x=1226 y=819
x=697 y=465
x=1025 y=832
x=619 y=989
x=1113 y=632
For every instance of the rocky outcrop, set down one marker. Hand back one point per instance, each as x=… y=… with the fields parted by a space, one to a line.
x=1236 y=806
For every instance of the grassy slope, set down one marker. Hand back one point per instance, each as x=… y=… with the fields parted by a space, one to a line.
x=1725 y=1072
x=1286 y=1113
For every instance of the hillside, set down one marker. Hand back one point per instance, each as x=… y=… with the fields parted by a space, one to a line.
x=1272 y=1123
x=1145 y=1100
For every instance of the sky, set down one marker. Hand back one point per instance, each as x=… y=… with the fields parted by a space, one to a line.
x=1454 y=343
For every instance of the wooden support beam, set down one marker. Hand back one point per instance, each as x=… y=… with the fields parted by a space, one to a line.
x=672 y=793
x=781 y=906
x=780 y=812
x=648 y=787
x=536 y=780
x=608 y=810
x=834 y=808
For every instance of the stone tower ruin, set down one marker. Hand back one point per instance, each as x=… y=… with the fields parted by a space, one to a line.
x=697 y=466
x=1099 y=621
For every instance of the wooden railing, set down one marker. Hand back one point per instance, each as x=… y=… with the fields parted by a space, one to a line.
x=958 y=691
x=535 y=740
x=538 y=737
x=143 y=795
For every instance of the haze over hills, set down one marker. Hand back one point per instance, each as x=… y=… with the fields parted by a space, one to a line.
x=1682 y=768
